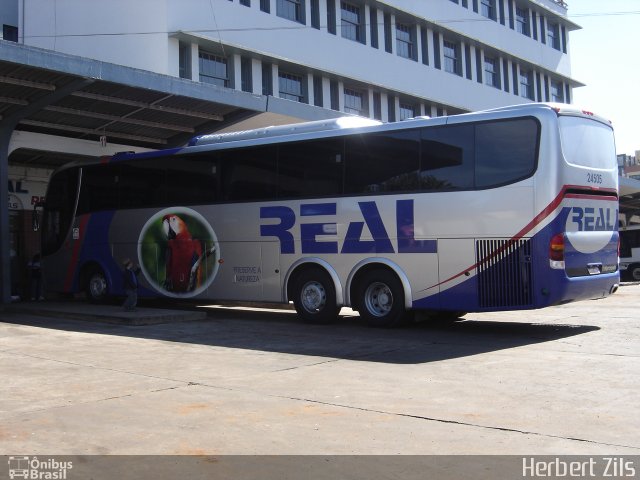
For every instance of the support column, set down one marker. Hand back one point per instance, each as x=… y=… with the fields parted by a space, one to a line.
x=5 y=258
x=7 y=126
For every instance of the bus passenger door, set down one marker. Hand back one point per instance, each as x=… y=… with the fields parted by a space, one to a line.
x=271 y=286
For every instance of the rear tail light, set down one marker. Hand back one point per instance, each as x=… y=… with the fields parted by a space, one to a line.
x=556 y=252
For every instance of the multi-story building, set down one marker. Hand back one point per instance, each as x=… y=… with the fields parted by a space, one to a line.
x=269 y=61
x=387 y=60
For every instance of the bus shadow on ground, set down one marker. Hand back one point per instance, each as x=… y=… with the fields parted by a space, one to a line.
x=349 y=338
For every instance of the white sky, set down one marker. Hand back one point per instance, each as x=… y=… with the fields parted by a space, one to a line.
x=605 y=55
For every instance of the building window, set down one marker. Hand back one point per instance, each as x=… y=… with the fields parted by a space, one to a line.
x=377 y=106
x=315 y=14
x=351 y=22
x=488 y=9
x=557 y=92
x=318 y=96
x=522 y=21
x=246 y=75
x=404 y=41
x=246 y=3
x=213 y=69
x=334 y=95
x=553 y=35
x=354 y=102
x=184 y=60
x=265 y=6
x=373 y=25
x=491 y=72
x=291 y=9
x=267 y=79
x=452 y=57
x=526 y=84
x=388 y=46
x=331 y=16
x=407 y=111
x=290 y=87
x=10 y=33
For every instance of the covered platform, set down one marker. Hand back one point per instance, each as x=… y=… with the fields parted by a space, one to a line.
x=56 y=107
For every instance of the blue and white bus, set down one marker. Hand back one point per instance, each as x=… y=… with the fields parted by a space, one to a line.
x=512 y=208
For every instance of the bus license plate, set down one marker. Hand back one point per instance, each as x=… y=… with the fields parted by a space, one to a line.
x=594 y=269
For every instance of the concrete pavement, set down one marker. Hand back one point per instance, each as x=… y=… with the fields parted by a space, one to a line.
x=563 y=380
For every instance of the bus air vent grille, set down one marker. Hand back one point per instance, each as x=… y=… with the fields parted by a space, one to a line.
x=504 y=273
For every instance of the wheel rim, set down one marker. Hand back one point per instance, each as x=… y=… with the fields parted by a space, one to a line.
x=378 y=299
x=97 y=286
x=313 y=296
x=635 y=274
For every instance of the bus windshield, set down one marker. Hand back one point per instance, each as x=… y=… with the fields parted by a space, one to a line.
x=586 y=143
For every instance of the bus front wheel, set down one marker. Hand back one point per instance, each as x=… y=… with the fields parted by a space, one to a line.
x=96 y=288
x=380 y=298
x=314 y=296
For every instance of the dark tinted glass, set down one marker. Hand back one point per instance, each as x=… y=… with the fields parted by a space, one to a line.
x=141 y=184
x=191 y=179
x=149 y=183
x=249 y=173
x=505 y=151
x=99 y=190
x=308 y=169
x=382 y=162
x=447 y=158
x=58 y=210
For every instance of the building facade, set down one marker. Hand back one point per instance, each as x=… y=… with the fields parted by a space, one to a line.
x=383 y=59
x=387 y=60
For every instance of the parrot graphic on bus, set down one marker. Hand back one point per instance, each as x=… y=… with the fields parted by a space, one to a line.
x=183 y=256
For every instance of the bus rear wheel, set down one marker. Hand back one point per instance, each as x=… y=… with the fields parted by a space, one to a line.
x=96 y=287
x=634 y=273
x=314 y=296
x=380 y=299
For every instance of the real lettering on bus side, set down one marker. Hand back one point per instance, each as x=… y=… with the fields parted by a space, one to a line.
x=594 y=220
x=310 y=230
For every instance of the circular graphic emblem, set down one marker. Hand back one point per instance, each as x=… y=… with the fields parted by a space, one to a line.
x=178 y=252
x=589 y=230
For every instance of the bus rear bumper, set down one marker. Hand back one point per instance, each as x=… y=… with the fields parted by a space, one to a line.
x=573 y=289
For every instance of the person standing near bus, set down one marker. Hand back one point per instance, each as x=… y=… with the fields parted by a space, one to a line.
x=130 y=280
x=35 y=278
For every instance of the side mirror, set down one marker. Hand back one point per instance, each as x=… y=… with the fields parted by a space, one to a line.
x=35 y=217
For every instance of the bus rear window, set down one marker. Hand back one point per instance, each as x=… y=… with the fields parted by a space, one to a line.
x=587 y=143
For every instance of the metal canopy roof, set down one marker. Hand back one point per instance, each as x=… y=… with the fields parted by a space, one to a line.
x=68 y=96
x=629 y=197
x=123 y=104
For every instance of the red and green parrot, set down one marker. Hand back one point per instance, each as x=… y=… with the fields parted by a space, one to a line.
x=183 y=256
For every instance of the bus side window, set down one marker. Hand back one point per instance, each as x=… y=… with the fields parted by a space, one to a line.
x=447 y=158
x=310 y=169
x=192 y=179
x=141 y=184
x=505 y=151
x=99 y=188
x=58 y=214
x=249 y=173
x=382 y=162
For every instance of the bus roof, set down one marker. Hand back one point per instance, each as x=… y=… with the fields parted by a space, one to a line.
x=345 y=124
x=341 y=123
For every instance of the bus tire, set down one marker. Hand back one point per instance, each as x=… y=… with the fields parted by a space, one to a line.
x=634 y=272
x=380 y=298
x=314 y=296
x=96 y=287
